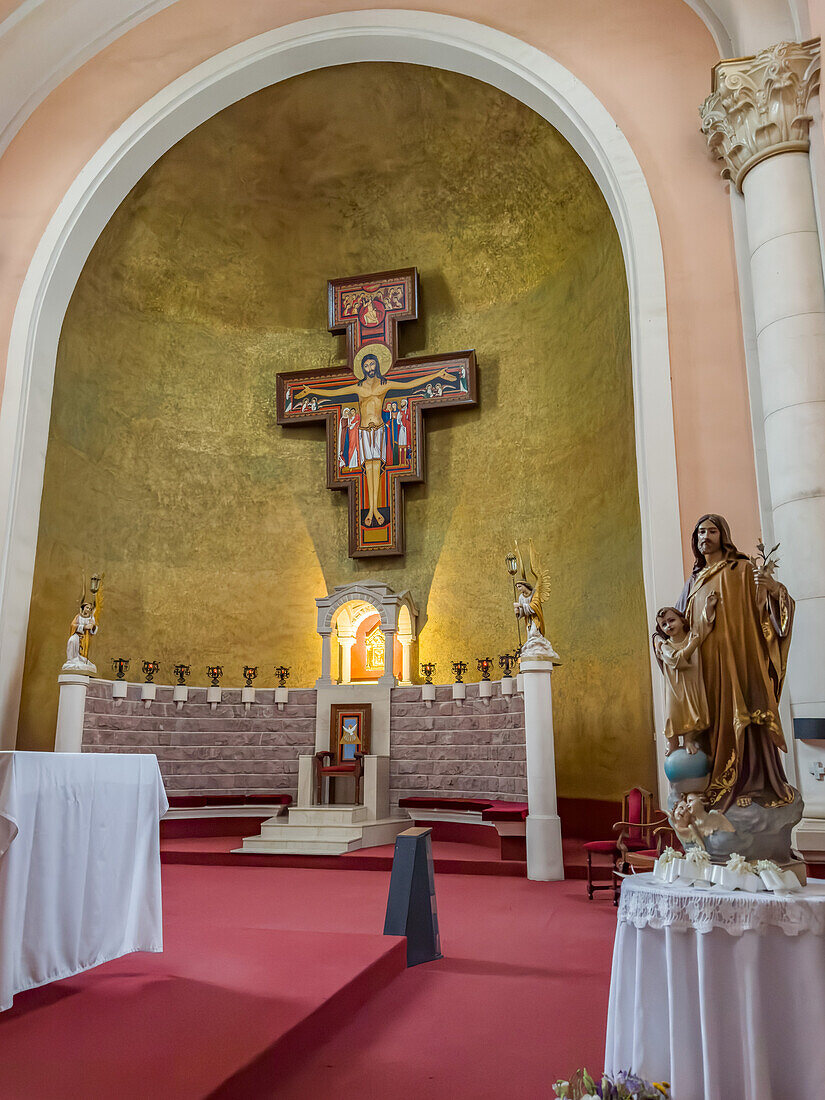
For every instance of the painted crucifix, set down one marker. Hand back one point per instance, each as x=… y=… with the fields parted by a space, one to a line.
x=374 y=406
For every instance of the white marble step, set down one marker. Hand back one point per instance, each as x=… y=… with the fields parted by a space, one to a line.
x=327 y=815
x=294 y=846
x=324 y=840
x=310 y=832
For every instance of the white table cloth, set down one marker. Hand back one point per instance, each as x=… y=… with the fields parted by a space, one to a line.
x=719 y=992
x=79 y=863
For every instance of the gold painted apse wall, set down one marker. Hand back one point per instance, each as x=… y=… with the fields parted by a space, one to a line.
x=214 y=527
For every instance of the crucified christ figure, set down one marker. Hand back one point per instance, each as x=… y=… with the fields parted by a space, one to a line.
x=371 y=391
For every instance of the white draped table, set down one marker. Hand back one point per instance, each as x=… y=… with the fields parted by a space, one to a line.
x=720 y=992
x=79 y=863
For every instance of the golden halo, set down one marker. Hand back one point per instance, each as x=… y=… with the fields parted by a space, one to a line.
x=381 y=352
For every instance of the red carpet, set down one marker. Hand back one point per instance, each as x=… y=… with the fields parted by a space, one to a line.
x=262 y=965
x=449 y=857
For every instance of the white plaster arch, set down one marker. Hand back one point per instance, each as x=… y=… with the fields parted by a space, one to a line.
x=42 y=42
x=414 y=37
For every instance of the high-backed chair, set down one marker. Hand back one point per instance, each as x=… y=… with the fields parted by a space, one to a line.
x=635 y=863
x=349 y=738
x=632 y=835
x=325 y=768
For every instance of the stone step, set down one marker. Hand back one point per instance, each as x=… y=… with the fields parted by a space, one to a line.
x=324 y=840
x=276 y=833
x=299 y=847
x=327 y=815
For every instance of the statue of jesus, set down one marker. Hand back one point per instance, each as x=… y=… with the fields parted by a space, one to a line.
x=371 y=390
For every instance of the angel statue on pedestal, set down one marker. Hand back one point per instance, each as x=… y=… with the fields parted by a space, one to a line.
x=529 y=598
x=84 y=624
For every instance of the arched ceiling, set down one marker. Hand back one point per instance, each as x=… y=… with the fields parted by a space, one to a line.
x=44 y=41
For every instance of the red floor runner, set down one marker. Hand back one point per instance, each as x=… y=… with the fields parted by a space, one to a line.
x=450 y=857
x=520 y=997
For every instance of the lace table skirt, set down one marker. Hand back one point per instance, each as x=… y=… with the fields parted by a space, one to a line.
x=703 y=997
x=647 y=903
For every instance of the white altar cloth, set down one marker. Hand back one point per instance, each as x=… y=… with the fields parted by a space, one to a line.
x=718 y=992
x=79 y=863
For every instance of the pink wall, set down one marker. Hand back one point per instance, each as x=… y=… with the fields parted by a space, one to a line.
x=649 y=63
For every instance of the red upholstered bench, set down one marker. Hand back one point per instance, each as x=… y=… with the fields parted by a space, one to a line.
x=508 y=819
x=203 y=816
x=198 y=801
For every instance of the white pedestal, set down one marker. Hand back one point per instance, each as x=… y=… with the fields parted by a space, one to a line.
x=519 y=682
x=281 y=697
x=180 y=693
x=544 y=851
x=213 y=696
x=71 y=709
x=459 y=692
x=508 y=685
x=247 y=697
x=119 y=689
x=428 y=694
x=485 y=689
x=148 y=693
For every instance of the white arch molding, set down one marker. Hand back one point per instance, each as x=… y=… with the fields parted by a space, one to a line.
x=421 y=38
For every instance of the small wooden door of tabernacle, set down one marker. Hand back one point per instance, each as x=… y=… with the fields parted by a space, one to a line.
x=349 y=731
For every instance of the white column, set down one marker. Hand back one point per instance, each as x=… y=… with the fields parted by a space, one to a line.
x=757 y=121
x=406 y=645
x=71 y=710
x=389 y=676
x=347 y=643
x=789 y=310
x=544 y=851
x=325 y=679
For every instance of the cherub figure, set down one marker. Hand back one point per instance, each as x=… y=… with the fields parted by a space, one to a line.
x=707 y=821
x=677 y=650
x=692 y=821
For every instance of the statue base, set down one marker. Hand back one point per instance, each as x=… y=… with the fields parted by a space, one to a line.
x=538 y=648
x=82 y=665
x=760 y=832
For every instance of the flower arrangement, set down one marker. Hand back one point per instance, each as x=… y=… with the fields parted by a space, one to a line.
x=624 y=1086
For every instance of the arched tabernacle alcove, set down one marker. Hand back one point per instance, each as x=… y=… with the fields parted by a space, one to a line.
x=345 y=609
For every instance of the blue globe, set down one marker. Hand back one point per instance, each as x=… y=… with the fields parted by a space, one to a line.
x=682 y=765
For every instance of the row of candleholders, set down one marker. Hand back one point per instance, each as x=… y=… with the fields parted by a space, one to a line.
x=182 y=672
x=506 y=661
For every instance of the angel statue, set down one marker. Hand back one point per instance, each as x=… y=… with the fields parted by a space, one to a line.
x=84 y=624
x=529 y=598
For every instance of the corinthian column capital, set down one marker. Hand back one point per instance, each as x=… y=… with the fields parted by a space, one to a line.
x=759 y=106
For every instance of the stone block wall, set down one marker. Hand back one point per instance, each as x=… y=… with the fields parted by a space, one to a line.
x=475 y=748
x=470 y=749
x=226 y=751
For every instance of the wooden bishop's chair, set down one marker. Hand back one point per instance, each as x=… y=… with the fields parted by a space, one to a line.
x=633 y=834
x=326 y=768
x=349 y=738
x=635 y=863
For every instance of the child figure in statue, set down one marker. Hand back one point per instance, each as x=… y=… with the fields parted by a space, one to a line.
x=677 y=650
x=83 y=625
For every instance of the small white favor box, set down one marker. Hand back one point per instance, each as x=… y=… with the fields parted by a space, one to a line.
x=729 y=879
x=667 y=872
x=781 y=882
x=691 y=872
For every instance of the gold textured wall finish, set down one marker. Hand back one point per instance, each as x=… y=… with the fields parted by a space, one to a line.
x=165 y=466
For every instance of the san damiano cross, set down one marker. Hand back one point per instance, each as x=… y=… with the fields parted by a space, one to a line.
x=374 y=406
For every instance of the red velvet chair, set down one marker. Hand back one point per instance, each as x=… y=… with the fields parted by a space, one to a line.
x=633 y=835
x=324 y=767
x=635 y=863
